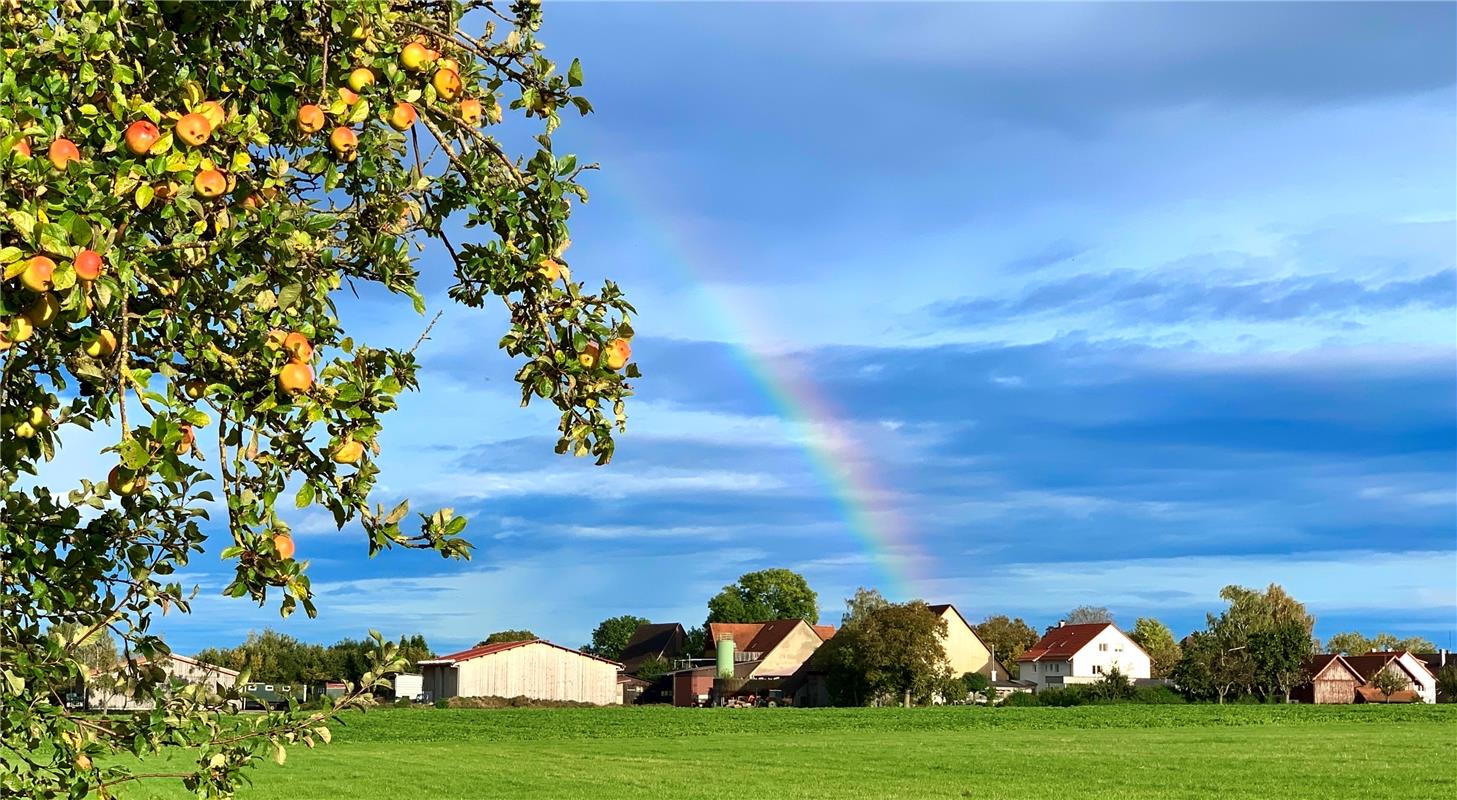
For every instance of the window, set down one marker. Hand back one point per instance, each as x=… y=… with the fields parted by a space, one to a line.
x=1103 y=648
x=1097 y=669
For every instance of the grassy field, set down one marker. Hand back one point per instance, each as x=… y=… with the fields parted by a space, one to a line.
x=963 y=752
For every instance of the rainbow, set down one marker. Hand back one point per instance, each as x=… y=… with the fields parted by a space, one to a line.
x=829 y=444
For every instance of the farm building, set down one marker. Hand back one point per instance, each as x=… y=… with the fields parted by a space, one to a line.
x=536 y=669
x=1330 y=681
x=1073 y=654
x=408 y=687
x=763 y=655
x=105 y=690
x=653 y=640
x=1423 y=683
x=965 y=650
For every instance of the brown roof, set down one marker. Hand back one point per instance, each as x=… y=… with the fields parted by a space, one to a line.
x=1062 y=643
x=1371 y=694
x=1317 y=664
x=1434 y=661
x=753 y=637
x=652 y=640
x=825 y=631
x=501 y=647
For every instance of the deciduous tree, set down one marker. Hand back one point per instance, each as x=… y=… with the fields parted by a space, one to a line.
x=507 y=636
x=1158 y=641
x=765 y=595
x=1083 y=615
x=185 y=188
x=1007 y=637
x=894 y=651
x=1389 y=681
x=612 y=635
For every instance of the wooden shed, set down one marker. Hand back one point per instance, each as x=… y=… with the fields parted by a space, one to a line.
x=1330 y=680
x=536 y=669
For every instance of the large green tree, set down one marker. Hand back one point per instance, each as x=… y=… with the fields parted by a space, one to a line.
x=1158 y=641
x=508 y=636
x=1083 y=615
x=1007 y=637
x=765 y=595
x=1354 y=643
x=185 y=190
x=893 y=651
x=611 y=635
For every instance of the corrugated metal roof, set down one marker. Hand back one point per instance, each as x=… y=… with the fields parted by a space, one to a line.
x=501 y=647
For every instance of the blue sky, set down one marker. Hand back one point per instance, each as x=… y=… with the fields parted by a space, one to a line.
x=1118 y=303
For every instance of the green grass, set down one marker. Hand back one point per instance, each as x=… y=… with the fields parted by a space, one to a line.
x=867 y=754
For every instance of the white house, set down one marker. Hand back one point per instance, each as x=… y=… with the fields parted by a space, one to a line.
x=1072 y=654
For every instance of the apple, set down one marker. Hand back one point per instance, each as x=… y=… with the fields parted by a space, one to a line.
x=194 y=389
x=297 y=346
x=275 y=339
x=193 y=129
x=448 y=64
x=414 y=57
x=588 y=356
x=22 y=328
x=295 y=378
x=44 y=310
x=360 y=78
x=39 y=274
x=344 y=143
x=283 y=544
x=124 y=481
x=38 y=416
x=349 y=96
x=188 y=439
x=209 y=184
x=99 y=344
x=22 y=147
x=402 y=116
x=88 y=265
x=447 y=84
x=140 y=136
x=549 y=269
x=24 y=430
x=618 y=353
x=63 y=152
x=471 y=111
x=348 y=452
x=310 y=118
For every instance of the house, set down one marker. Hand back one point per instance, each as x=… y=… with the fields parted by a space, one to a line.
x=632 y=688
x=1437 y=661
x=1074 y=654
x=535 y=669
x=106 y=689
x=1329 y=680
x=764 y=656
x=965 y=650
x=653 y=640
x=1423 y=683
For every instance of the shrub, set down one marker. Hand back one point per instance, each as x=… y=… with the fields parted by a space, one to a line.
x=442 y=703
x=1021 y=700
x=1157 y=695
x=404 y=702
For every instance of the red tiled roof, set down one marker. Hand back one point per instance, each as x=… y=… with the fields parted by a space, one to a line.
x=825 y=631
x=501 y=647
x=1063 y=642
x=1371 y=694
x=752 y=637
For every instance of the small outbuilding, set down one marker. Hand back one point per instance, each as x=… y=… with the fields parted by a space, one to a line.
x=1330 y=680
x=535 y=669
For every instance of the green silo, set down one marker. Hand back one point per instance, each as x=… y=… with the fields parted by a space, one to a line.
x=725 y=656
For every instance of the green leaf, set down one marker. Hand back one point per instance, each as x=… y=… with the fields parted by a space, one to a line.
x=574 y=73
x=305 y=495
x=144 y=195
x=289 y=295
x=133 y=455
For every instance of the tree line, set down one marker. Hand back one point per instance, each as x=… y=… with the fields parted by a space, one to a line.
x=273 y=657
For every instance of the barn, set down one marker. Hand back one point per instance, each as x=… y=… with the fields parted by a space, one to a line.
x=536 y=669
x=1329 y=679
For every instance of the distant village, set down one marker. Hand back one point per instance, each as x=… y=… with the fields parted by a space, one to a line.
x=1258 y=649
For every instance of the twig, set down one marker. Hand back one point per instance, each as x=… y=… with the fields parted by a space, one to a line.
x=426 y=333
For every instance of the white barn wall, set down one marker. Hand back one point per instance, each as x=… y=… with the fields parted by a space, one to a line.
x=537 y=670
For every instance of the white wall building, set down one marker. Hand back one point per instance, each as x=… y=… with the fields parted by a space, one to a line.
x=1073 y=654
x=534 y=669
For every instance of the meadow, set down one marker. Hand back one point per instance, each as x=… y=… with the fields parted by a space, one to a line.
x=958 y=752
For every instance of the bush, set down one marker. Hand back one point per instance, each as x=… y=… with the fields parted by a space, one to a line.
x=442 y=703
x=1156 y=695
x=404 y=702
x=1021 y=700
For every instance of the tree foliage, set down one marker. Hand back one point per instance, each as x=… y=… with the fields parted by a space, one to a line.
x=1447 y=684
x=185 y=189
x=611 y=635
x=1389 y=681
x=893 y=652
x=273 y=657
x=1007 y=637
x=1158 y=641
x=507 y=636
x=1083 y=615
x=1258 y=644
x=1353 y=643
x=859 y=605
x=765 y=595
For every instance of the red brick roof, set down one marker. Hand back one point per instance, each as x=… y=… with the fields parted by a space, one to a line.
x=501 y=647
x=1062 y=643
x=1371 y=694
x=752 y=637
x=825 y=631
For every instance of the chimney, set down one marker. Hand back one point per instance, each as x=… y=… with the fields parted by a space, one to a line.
x=1061 y=623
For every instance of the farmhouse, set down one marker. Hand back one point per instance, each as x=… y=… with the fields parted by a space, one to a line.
x=1073 y=654
x=536 y=669
x=965 y=650
x=106 y=689
x=1423 y=686
x=763 y=656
